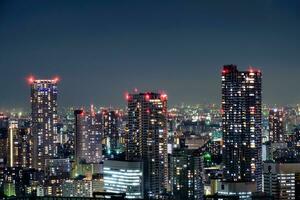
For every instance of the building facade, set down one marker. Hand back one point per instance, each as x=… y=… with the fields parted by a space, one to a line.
x=88 y=146
x=147 y=139
x=19 y=144
x=77 y=188
x=276 y=127
x=186 y=174
x=110 y=130
x=4 y=124
x=44 y=120
x=124 y=177
x=282 y=180
x=241 y=125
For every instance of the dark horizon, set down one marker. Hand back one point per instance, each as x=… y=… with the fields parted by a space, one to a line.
x=100 y=50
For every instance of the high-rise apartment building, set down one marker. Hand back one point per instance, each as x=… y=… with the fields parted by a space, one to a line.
x=110 y=130
x=14 y=147
x=4 y=121
x=88 y=146
x=44 y=120
x=147 y=139
x=241 y=125
x=186 y=174
x=24 y=126
x=19 y=144
x=276 y=127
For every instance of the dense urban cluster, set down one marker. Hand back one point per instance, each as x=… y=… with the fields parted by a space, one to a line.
x=238 y=149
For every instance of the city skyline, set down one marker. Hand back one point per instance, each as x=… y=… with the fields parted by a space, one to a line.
x=122 y=96
x=153 y=100
x=148 y=151
x=149 y=46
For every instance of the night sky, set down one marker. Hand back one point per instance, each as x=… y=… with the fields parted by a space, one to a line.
x=101 y=49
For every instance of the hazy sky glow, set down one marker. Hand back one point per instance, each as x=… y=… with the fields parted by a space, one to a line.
x=101 y=49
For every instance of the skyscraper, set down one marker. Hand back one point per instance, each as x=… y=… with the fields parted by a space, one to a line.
x=110 y=130
x=24 y=126
x=19 y=144
x=88 y=146
x=186 y=174
x=241 y=125
x=14 y=145
x=4 y=124
x=276 y=128
x=44 y=120
x=147 y=139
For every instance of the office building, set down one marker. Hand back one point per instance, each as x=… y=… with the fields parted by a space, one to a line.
x=124 y=177
x=282 y=180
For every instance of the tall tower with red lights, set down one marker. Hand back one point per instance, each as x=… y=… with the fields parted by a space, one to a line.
x=147 y=139
x=241 y=125
x=44 y=120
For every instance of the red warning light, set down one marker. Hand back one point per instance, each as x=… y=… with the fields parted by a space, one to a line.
x=82 y=113
x=30 y=79
x=147 y=97
x=164 y=97
x=56 y=79
x=127 y=96
x=225 y=71
x=254 y=70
